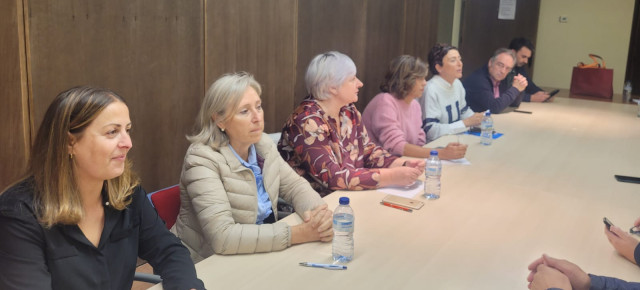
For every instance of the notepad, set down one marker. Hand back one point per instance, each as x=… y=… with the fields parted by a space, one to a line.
x=404 y=191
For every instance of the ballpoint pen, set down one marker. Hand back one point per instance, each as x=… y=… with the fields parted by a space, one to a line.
x=324 y=266
x=396 y=206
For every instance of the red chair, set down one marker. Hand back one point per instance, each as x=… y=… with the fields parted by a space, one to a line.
x=167 y=204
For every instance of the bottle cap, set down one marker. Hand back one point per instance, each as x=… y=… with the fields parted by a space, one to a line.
x=487 y=113
x=344 y=200
x=433 y=153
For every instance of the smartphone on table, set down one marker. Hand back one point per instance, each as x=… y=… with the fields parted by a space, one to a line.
x=551 y=94
x=403 y=201
x=608 y=223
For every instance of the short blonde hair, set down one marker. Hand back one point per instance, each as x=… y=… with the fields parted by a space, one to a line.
x=56 y=196
x=327 y=70
x=219 y=104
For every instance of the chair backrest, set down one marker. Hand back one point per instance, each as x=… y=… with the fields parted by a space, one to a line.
x=167 y=204
x=275 y=137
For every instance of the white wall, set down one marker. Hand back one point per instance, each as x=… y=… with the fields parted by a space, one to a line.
x=593 y=26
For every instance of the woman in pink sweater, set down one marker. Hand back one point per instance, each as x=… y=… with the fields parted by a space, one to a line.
x=394 y=119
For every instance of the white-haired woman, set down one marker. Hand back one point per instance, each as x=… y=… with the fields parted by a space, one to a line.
x=325 y=140
x=233 y=175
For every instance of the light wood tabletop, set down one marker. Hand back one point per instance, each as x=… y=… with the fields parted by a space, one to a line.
x=543 y=187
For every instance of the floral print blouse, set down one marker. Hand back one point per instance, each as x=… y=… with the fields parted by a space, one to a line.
x=332 y=158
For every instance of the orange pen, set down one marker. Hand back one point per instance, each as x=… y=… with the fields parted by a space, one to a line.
x=396 y=206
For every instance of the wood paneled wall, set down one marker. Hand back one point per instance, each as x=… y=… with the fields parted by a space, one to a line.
x=162 y=55
x=482 y=32
x=371 y=32
x=14 y=111
x=257 y=37
x=148 y=51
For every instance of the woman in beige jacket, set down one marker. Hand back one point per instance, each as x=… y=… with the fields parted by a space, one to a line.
x=232 y=177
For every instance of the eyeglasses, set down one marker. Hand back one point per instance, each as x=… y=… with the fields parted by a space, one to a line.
x=501 y=65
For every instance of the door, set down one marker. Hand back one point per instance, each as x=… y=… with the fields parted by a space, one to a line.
x=481 y=32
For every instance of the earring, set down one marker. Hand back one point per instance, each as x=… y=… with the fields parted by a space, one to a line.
x=222 y=129
x=70 y=155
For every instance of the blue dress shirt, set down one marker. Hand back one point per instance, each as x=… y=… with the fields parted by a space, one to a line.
x=264 y=204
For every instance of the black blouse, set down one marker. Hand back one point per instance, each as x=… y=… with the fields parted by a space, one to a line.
x=61 y=257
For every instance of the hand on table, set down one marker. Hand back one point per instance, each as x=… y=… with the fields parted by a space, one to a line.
x=622 y=241
x=452 y=151
x=540 y=97
x=474 y=120
x=405 y=175
x=416 y=163
x=540 y=269
x=317 y=225
x=546 y=277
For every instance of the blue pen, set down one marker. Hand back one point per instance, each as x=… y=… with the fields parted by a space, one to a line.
x=325 y=266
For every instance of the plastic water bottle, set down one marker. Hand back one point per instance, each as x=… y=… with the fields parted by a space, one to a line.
x=626 y=93
x=432 y=173
x=343 y=222
x=486 y=136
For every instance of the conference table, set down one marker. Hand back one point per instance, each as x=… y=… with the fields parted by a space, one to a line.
x=543 y=187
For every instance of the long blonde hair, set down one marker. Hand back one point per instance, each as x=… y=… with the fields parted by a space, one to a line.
x=56 y=196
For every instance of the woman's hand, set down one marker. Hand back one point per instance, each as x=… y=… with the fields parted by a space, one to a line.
x=623 y=242
x=415 y=163
x=317 y=225
x=404 y=175
x=452 y=151
x=474 y=120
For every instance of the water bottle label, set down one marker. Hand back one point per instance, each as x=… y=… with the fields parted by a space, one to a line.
x=343 y=226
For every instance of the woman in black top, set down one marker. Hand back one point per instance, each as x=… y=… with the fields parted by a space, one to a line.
x=79 y=219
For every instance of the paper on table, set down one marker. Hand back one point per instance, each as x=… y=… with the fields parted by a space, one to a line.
x=404 y=191
x=461 y=161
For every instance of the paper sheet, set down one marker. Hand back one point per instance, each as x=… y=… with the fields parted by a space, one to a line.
x=405 y=191
x=461 y=161
x=507 y=9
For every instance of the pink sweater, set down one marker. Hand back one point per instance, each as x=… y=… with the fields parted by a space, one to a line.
x=392 y=123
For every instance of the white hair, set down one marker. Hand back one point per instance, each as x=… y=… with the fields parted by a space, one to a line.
x=328 y=70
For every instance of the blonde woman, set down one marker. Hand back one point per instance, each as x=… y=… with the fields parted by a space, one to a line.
x=233 y=176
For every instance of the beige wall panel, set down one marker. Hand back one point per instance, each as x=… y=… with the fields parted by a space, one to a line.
x=148 y=51
x=257 y=37
x=599 y=27
x=14 y=125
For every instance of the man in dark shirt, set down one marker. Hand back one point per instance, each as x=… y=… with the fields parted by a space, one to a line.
x=487 y=89
x=523 y=48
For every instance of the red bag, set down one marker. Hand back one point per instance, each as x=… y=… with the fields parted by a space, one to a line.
x=594 y=80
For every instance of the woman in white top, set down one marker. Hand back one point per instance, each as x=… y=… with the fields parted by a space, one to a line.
x=444 y=109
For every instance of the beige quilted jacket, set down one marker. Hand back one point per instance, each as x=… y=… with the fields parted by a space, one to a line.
x=219 y=202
